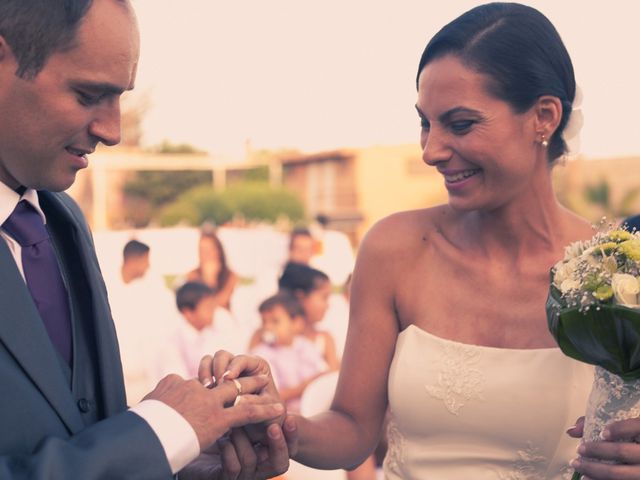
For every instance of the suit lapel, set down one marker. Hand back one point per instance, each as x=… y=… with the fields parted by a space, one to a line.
x=109 y=368
x=24 y=335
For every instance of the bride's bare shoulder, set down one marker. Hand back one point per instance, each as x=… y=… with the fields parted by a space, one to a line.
x=403 y=230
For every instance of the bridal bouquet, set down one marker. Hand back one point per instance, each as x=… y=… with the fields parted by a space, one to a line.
x=593 y=311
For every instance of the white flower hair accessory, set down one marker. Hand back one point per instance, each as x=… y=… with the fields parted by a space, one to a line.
x=571 y=134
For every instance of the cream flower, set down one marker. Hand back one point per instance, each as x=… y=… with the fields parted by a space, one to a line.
x=574 y=250
x=565 y=271
x=569 y=284
x=626 y=289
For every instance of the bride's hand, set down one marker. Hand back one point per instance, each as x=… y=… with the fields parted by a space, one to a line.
x=225 y=366
x=619 y=445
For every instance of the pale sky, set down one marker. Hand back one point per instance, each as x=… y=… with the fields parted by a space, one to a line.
x=341 y=73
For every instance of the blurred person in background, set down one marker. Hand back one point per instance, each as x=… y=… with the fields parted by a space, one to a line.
x=336 y=319
x=312 y=289
x=196 y=335
x=212 y=269
x=302 y=246
x=333 y=252
x=141 y=307
x=135 y=261
x=294 y=359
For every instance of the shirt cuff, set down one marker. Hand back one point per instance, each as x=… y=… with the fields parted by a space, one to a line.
x=176 y=435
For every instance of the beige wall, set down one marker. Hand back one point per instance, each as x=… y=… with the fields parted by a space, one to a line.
x=394 y=178
x=572 y=178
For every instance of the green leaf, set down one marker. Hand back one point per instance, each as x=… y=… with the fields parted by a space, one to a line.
x=605 y=335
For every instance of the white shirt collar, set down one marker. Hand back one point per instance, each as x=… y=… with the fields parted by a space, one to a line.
x=9 y=198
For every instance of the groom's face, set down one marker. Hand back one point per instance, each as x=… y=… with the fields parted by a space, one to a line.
x=52 y=122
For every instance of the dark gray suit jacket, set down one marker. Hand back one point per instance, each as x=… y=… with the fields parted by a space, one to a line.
x=57 y=422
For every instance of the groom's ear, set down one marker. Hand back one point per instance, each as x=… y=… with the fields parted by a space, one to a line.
x=5 y=50
x=8 y=62
x=548 y=113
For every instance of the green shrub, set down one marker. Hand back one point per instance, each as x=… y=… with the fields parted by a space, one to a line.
x=254 y=201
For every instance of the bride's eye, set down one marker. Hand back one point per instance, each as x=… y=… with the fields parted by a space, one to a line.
x=461 y=127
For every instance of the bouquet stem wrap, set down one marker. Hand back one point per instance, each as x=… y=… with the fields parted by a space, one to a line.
x=607 y=336
x=593 y=312
x=612 y=398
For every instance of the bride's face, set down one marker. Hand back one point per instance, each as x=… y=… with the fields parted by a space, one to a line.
x=485 y=151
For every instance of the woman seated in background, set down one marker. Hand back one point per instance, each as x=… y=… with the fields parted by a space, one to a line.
x=213 y=270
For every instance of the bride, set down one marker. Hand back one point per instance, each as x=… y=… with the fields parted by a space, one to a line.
x=447 y=323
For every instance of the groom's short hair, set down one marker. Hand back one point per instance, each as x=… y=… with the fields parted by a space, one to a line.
x=35 y=29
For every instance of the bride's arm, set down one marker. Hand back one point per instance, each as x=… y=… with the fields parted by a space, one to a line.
x=345 y=435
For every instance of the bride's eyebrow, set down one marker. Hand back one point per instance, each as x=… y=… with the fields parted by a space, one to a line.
x=446 y=116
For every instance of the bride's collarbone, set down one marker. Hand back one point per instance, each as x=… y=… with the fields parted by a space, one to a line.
x=503 y=330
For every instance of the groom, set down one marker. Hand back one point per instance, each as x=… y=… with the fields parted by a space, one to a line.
x=63 y=66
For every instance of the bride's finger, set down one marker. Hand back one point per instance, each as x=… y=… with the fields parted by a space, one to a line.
x=241 y=365
x=623 y=430
x=205 y=371
x=621 y=452
x=220 y=364
x=602 y=471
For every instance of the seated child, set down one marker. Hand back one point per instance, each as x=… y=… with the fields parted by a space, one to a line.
x=198 y=334
x=294 y=360
x=312 y=289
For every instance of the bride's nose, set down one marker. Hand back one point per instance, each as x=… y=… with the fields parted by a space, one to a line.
x=435 y=147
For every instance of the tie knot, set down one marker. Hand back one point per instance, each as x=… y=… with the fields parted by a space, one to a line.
x=25 y=225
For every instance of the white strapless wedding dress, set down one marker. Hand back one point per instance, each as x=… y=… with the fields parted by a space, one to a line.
x=468 y=412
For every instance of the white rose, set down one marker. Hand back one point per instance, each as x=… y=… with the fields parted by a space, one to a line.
x=626 y=289
x=569 y=284
x=564 y=271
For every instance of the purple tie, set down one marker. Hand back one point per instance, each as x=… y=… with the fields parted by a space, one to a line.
x=42 y=274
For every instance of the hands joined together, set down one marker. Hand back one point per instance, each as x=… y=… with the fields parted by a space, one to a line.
x=239 y=419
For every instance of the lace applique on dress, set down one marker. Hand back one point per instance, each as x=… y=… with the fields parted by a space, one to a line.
x=395 y=447
x=529 y=466
x=458 y=381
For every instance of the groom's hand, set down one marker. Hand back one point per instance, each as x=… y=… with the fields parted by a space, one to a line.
x=211 y=412
x=234 y=457
x=244 y=460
